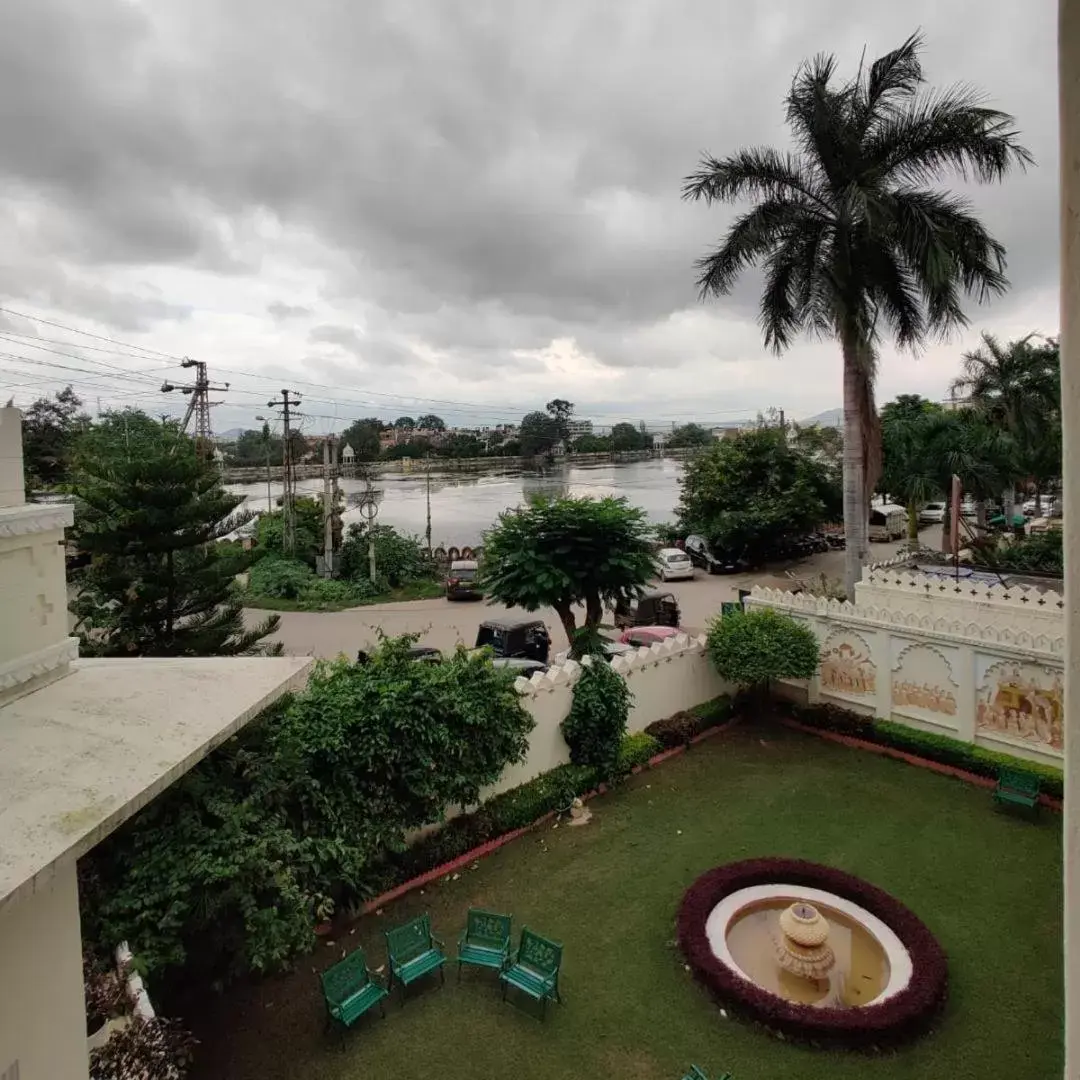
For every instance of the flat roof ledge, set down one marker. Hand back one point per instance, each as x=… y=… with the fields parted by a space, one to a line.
x=79 y=756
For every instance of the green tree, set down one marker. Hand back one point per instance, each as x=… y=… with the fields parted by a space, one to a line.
x=413 y=448
x=592 y=444
x=910 y=467
x=462 y=445
x=596 y=723
x=853 y=238
x=431 y=422
x=539 y=433
x=1017 y=386
x=363 y=437
x=561 y=410
x=625 y=436
x=51 y=427
x=821 y=442
x=755 y=648
x=562 y=552
x=749 y=492
x=310 y=537
x=149 y=512
x=405 y=423
x=689 y=435
x=254 y=448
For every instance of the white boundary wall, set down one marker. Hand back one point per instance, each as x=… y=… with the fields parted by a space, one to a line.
x=979 y=663
x=665 y=678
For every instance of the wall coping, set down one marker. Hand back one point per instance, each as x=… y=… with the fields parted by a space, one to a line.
x=31 y=518
x=914 y=583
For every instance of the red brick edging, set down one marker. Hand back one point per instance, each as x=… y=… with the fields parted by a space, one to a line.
x=911 y=759
x=489 y=846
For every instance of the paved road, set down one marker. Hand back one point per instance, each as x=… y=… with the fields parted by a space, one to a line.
x=444 y=624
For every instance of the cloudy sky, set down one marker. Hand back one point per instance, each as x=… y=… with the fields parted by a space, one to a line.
x=403 y=206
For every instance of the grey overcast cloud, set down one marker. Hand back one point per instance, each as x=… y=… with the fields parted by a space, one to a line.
x=460 y=207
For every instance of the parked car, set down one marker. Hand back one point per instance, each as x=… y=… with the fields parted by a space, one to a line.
x=932 y=514
x=509 y=637
x=520 y=665
x=610 y=649
x=426 y=654
x=461 y=581
x=657 y=608
x=638 y=636
x=674 y=564
x=714 y=562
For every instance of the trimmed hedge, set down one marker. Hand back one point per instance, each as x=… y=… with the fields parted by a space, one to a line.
x=635 y=750
x=907 y=1013
x=679 y=729
x=926 y=744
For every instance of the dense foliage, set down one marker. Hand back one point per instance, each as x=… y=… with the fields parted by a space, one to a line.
x=561 y=552
x=538 y=434
x=399 y=557
x=596 y=723
x=755 y=647
x=309 y=536
x=149 y=511
x=224 y=871
x=50 y=428
x=689 y=435
x=749 y=492
x=155 y=1049
x=1039 y=553
x=854 y=241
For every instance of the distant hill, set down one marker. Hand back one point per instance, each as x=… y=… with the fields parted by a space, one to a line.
x=231 y=435
x=828 y=418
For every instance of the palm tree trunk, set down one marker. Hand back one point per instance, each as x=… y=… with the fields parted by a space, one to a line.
x=913 y=522
x=856 y=511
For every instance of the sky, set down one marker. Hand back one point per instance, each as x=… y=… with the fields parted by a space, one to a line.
x=466 y=208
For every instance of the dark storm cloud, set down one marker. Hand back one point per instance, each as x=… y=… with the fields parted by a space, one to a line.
x=496 y=173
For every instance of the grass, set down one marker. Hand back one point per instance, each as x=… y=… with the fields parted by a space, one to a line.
x=987 y=883
x=414 y=590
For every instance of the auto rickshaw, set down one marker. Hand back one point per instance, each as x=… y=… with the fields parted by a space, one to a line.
x=527 y=638
x=652 y=609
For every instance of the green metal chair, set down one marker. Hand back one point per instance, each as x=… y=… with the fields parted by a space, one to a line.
x=349 y=990
x=535 y=969
x=414 y=952
x=698 y=1073
x=1015 y=787
x=485 y=942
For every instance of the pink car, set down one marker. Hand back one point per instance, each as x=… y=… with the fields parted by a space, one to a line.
x=647 y=635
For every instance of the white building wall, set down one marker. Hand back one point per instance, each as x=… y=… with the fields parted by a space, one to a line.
x=42 y=1012
x=977 y=663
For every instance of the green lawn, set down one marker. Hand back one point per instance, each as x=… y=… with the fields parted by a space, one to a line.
x=988 y=884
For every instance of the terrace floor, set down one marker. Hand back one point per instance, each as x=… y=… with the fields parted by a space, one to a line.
x=988 y=884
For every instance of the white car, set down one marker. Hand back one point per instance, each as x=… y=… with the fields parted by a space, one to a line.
x=674 y=564
x=932 y=513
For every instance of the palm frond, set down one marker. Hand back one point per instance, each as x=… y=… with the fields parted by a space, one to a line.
x=756 y=172
x=750 y=239
x=896 y=74
x=895 y=291
x=945 y=130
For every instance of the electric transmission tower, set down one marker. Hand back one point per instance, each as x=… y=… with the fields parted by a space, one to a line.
x=288 y=403
x=199 y=403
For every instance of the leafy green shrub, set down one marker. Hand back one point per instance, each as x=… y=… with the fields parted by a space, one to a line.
x=327 y=591
x=399 y=559
x=926 y=744
x=1037 y=553
x=635 y=750
x=308 y=515
x=675 y=730
x=596 y=723
x=756 y=647
x=280 y=578
x=223 y=871
x=713 y=712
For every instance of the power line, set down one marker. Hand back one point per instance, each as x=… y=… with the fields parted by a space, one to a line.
x=86 y=333
x=288 y=531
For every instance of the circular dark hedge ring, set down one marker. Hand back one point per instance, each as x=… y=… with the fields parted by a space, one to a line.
x=899 y=1017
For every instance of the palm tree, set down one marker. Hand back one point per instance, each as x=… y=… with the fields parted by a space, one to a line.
x=1017 y=386
x=851 y=238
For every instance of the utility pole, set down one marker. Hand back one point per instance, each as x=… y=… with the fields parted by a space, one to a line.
x=783 y=425
x=329 y=502
x=366 y=500
x=427 y=531
x=288 y=533
x=199 y=404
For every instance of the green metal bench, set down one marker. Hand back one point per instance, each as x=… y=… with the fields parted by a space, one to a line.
x=698 y=1073
x=414 y=952
x=485 y=941
x=1017 y=788
x=535 y=970
x=349 y=990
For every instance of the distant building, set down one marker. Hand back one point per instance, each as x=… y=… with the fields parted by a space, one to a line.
x=576 y=428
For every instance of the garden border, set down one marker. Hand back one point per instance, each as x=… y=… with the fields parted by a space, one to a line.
x=492 y=845
x=907 y=757
x=898 y=1018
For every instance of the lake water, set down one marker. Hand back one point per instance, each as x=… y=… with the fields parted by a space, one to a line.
x=464 y=505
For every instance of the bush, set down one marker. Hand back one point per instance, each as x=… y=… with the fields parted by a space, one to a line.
x=280 y=578
x=939 y=748
x=756 y=647
x=596 y=723
x=224 y=870
x=635 y=750
x=154 y=1049
x=1037 y=553
x=308 y=515
x=681 y=727
x=399 y=559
